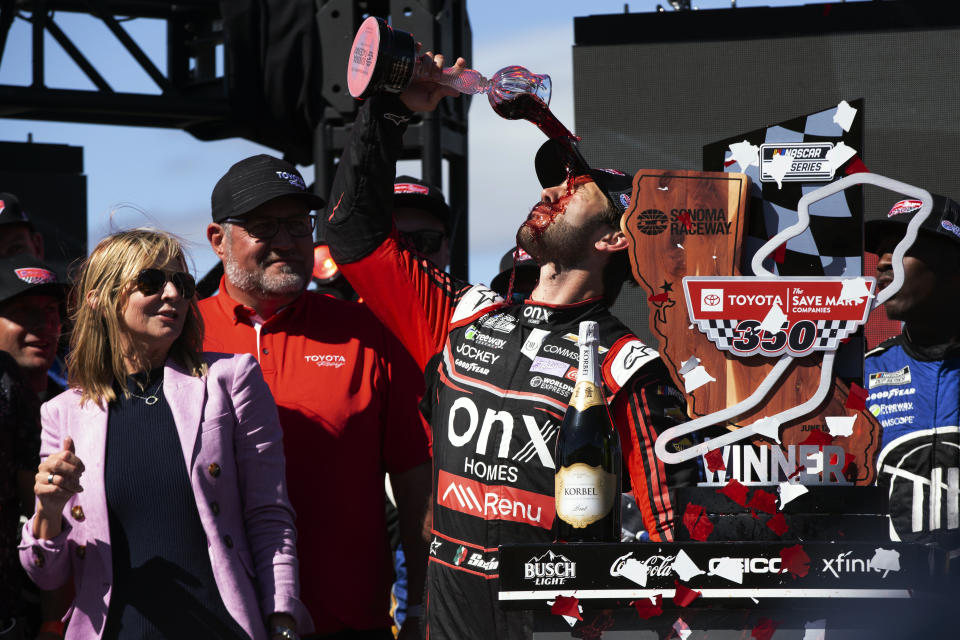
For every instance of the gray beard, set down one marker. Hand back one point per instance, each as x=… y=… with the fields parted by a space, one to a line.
x=258 y=281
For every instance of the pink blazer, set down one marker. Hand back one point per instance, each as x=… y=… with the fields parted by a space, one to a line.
x=232 y=447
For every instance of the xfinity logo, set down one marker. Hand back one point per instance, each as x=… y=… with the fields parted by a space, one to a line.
x=843 y=563
x=327 y=360
x=536 y=314
x=549 y=569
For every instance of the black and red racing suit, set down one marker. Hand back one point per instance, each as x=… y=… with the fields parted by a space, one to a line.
x=499 y=376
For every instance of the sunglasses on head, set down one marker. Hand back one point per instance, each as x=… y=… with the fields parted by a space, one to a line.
x=152 y=281
x=425 y=241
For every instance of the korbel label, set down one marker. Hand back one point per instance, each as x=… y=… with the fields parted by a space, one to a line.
x=584 y=494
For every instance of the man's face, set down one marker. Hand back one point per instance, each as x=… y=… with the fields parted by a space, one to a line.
x=425 y=232
x=17 y=238
x=930 y=278
x=561 y=227
x=268 y=267
x=29 y=330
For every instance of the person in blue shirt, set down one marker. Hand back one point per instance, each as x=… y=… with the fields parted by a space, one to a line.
x=913 y=379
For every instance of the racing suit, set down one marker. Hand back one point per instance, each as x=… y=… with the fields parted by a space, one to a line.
x=499 y=376
x=915 y=394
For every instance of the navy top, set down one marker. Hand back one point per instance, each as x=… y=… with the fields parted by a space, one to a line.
x=163 y=584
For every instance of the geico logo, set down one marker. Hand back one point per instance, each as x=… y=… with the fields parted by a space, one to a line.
x=474 y=353
x=531 y=312
x=464 y=411
x=750 y=565
x=566 y=353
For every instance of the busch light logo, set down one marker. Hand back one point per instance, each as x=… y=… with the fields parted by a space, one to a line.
x=549 y=569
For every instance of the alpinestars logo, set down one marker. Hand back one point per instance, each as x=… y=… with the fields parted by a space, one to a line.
x=327 y=360
x=549 y=569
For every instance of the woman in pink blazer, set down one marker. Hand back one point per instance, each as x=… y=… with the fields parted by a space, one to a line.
x=162 y=490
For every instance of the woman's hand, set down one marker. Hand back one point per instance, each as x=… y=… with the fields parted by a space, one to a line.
x=57 y=480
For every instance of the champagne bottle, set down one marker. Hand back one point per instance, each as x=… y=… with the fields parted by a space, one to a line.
x=587 y=482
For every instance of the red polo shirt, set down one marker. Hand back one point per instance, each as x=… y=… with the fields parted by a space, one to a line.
x=347 y=396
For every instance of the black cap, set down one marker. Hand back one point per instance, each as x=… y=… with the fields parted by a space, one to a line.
x=417 y=194
x=515 y=257
x=25 y=274
x=942 y=222
x=555 y=161
x=11 y=212
x=254 y=181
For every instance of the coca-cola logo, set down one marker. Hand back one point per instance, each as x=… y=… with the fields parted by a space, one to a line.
x=660 y=566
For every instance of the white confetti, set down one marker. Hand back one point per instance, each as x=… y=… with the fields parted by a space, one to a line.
x=635 y=571
x=839 y=155
x=779 y=167
x=755 y=601
x=745 y=154
x=767 y=427
x=815 y=630
x=840 y=426
x=790 y=492
x=844 y=115
x=663 y=188
x=696 y=378
x=682 y=629
x=855 y=289
x=688 y=366
x=774 y=320
x=685 y=567
x=887 y=559
x=729 y=568
x=680 y=245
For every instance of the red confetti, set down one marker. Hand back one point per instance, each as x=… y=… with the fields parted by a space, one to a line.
x=763 y=501
x=795 y=560
x=796 y=471
x=777 y=524
x=857 y=400
x=646 y=609
x=855 y=165
x=735 y=491
x=764 y=629
x=660 y=297
x=697 y=522
x=715 y=460
x=780 y=253
x=684 y=595
x=566 y=606
x=849 y=464
x=818 y=438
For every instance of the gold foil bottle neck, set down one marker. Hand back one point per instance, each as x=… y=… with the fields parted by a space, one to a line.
x=586 y=395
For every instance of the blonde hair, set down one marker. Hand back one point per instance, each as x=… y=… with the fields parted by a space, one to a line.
x=97 y=360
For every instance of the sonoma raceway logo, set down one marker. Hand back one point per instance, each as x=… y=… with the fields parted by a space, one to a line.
x=327 y=360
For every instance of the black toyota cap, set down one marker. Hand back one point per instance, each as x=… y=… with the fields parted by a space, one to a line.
x=254 y=181
x=555 y=161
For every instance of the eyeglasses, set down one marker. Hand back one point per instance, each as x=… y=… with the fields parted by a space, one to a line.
x=267 y=228
x=151 y=281
x=425 y=241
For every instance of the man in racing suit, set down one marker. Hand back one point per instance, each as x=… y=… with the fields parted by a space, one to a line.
x=913 y=379
x=499 y=375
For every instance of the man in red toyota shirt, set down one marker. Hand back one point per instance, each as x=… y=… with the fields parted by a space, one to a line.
x=347 y=405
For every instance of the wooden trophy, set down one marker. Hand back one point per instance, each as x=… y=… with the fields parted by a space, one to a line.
x=691 y=223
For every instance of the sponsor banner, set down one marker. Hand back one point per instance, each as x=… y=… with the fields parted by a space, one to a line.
x=766 y=316
x=727 y=570
x=881 y=378
x=494 y=502
x=808 y=161
x=469 y=558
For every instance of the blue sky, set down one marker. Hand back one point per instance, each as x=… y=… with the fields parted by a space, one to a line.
x=162 y=177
